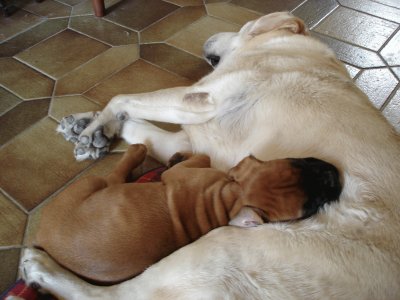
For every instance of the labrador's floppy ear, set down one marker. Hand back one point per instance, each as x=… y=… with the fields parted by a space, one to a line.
x=278 y=20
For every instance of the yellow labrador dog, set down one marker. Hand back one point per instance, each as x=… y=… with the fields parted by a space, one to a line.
x=275 y=92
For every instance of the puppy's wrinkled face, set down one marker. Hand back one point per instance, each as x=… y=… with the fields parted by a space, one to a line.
x=220 y=45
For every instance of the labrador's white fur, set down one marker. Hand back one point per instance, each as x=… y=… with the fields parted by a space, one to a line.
x=276 y=93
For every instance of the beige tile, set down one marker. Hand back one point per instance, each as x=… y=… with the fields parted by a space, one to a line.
x=85 y=7
x=21 y=117
x=358 y=28
x=232 y=13
x=378 y=84
x=37 y=163
x=266 y=7
x=99 y=68
x=62 y=53
x=391 y=51
x=7 y=100
x=186 y=2
x=48 y=8
x=24 y=81
x=12 y=223
x=138 y=77
x=374 y=8
x=193 y=37
x=171 y=24
x=9 y=260
x=394 y=3
x=67 y=105
x=104 y=30
x=19 y=21
x=392 y=111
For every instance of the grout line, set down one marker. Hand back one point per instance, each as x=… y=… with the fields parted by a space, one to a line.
x=324 y=17
x=14 y=201
x=163 y=18
x=367 y=13
x=390 y=97
x=391 y=6
x=34 y=68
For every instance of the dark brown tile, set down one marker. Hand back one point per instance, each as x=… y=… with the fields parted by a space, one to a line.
x=9 y=260
x=7 y=100
x=68 y=105
x=391 y=52
x=232 y=13
x=352 y=54
x=175 y=60
x=171 y=24
x=21 y=117
x=24 y=81
x=374 y=8
x=12 y=223
x=139 y=14
x=266 y=7
x=37 y=163
x=62 y=53
x=392 y=111
x=378 y=84
x=358 y=28
x=19 y=21
x=85 y=7
x=33 y=36
x=138 y=77
x=103 y=30
x=312 y=12
x=48 y=8
x=393 y=3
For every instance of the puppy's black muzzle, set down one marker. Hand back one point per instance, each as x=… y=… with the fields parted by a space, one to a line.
x=213 y=59
x=320 y=181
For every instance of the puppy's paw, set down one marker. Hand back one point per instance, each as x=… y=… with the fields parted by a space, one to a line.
x=73 y=125
x=177 y=158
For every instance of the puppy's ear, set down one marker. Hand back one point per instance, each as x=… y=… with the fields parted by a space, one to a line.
x=274 y=21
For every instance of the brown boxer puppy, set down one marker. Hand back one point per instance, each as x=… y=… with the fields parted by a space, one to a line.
x=108 y=230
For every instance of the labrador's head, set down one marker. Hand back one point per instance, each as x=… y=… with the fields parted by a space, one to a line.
x=222 y=44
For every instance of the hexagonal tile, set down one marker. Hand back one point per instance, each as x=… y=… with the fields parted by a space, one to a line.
x=374 y=8
x=172 y=24
x=232 y=13
x=85 y=7
x=391 y=52
x=396 y=71
x=393 y=3
x=357 y=28
x=86 y=76
x=9 y=260
x=175 y=60
x=312 y=12
x=139 y=14
x=20 y=20
x=266 y=7
x=192 y=38
x=62 y=53
x=48 y=8
x=12 y=223
x=21 y=117
x=392 y=111
x=378 y=84
x=185 y=2
x=353 y=71
x=138 y=77
x=68 y=105
x=7 y=101
x=37 y=163
x=24 y=81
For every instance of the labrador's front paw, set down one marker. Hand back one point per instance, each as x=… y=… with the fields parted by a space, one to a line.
x=73 y=125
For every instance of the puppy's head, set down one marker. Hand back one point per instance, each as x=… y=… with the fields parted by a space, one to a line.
x=286 y=189
x=220 y=45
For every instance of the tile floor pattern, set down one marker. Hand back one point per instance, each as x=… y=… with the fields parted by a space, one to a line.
x=56 y=58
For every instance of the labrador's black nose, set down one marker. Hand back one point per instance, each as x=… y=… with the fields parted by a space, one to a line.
x=320 y=181
x=213 y=59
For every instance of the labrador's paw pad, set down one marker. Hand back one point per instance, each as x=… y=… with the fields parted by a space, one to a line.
x=73 y=125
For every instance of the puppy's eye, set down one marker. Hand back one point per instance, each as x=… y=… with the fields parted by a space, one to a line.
x=213 y=59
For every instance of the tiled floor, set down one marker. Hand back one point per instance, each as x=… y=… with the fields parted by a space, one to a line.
x=56 y=58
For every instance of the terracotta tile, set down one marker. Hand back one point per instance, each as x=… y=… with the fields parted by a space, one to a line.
x=19 y=21
x=353 y=71
x=312 y=12
x=139 y=14
x=391 y=52
x=175 y=60
x=394 y=3
x=352 y=54
x=21 y=117
x=185 y=2
x=32 y=36
x=392 y=111
x=62 y=53
x=24 y=81
x=85 y=7
x=48 y=8
x=193 y=37
x=12 y=223
x=104 y=30
x=268 y=6
x=7 y=100
x=378 y=84
x=86 y=76
x=232 y=13
x=373 y=8
x=37 y=163
x=357 y=28
x=396 y=71
x=9 y=260
x=171 y=24
x=67 y=105
x=138 y=77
